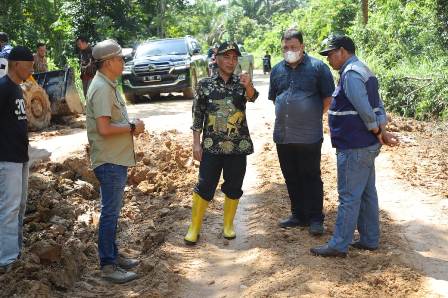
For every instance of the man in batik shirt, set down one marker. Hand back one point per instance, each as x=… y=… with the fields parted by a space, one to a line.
x=219 y=114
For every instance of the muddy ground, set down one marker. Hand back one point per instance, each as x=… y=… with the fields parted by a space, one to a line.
x=60 y=256
x=293 y=272
x=422 y=158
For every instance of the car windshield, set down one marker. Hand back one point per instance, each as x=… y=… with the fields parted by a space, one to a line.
x=162 y=47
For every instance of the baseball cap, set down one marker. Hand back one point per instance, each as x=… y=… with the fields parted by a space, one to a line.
x=106 y=49
x=20 y=53
x=336 y=42
x=228 y=46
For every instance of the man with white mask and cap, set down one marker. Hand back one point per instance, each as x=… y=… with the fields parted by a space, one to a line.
x=301 y=87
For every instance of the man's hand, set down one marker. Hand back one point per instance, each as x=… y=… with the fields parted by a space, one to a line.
x=389 y=139
x=245 y=80
x=197 y=152
x=139 y=127
x=378 y=133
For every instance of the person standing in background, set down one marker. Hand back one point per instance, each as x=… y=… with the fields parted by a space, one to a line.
x=86 y=61
x=40 y=58
x=5 y=49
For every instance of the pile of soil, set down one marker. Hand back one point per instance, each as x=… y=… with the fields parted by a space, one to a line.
x=60 y=254
x=422 y=157
x=284 y=265
x=60 y=125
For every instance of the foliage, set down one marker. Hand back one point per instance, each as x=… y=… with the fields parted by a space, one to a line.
x=404 y=41
x=414 y=93
x=402 y=44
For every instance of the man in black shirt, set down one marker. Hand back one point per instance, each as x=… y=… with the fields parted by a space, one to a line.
x=13 y=155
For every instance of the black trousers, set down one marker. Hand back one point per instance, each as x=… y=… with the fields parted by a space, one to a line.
x=300 y=164
x=233 y=167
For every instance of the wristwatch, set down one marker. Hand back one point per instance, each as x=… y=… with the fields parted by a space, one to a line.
x=132 y=126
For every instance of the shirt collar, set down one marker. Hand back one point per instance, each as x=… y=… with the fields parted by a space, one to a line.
x=349 y=60
x=113 y=84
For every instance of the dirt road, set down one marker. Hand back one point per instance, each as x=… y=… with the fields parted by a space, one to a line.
x=264 y=260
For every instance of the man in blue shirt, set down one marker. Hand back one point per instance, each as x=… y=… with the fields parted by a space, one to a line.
x=301 y=88
x=5 y=49
x=357 y=125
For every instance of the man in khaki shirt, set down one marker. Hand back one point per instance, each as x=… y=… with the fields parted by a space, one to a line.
x=40 y=58
x=110 y=135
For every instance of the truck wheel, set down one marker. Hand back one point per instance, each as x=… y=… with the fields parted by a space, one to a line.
x=154 y=96
x=38 y=107
x=191 y=91
x=130 y=97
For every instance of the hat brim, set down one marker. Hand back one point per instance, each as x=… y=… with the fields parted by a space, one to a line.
x=326 y=51
x=110 y=56
x=225 y=51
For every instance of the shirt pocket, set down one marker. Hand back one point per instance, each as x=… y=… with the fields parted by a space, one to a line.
x=306 y=83
x=116 y=114
x=281 y=83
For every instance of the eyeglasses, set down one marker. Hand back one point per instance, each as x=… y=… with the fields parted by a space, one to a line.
x=120 y=58
x=293 y=49
x=332 y=52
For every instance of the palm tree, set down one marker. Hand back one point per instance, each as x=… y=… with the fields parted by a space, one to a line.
x=252 y=9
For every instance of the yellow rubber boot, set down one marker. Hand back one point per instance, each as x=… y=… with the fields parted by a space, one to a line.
x=197 y=214
x=230 y=206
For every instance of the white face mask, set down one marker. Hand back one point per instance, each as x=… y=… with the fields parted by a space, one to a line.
x=292 y=57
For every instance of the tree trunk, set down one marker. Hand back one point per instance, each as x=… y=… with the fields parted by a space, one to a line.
x=161 y=28
x=365 y=11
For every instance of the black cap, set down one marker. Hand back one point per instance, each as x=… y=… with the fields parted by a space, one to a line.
x=4 y=37
x=228 y=46
x=336 y=42
x=20 y=53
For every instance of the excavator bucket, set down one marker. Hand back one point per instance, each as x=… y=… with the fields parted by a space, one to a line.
x=61 y=90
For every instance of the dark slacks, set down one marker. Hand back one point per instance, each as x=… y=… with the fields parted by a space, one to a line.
x=85 y=86
x=300 y=164
x=233 y=167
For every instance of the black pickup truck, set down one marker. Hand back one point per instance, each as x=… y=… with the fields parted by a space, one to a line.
x=164 y=66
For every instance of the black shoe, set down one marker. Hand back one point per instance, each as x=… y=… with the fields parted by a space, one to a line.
x=292 y=222
x=326 y=251
x=359 y=245
x=316 y=229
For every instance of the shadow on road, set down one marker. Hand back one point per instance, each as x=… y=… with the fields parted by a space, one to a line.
x=167 y=97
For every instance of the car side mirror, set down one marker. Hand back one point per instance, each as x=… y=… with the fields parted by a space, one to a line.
x=196 y=51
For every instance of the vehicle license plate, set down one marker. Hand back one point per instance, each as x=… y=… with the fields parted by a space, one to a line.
x=152 y=78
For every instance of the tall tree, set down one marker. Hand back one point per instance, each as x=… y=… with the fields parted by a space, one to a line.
x=365 y=11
